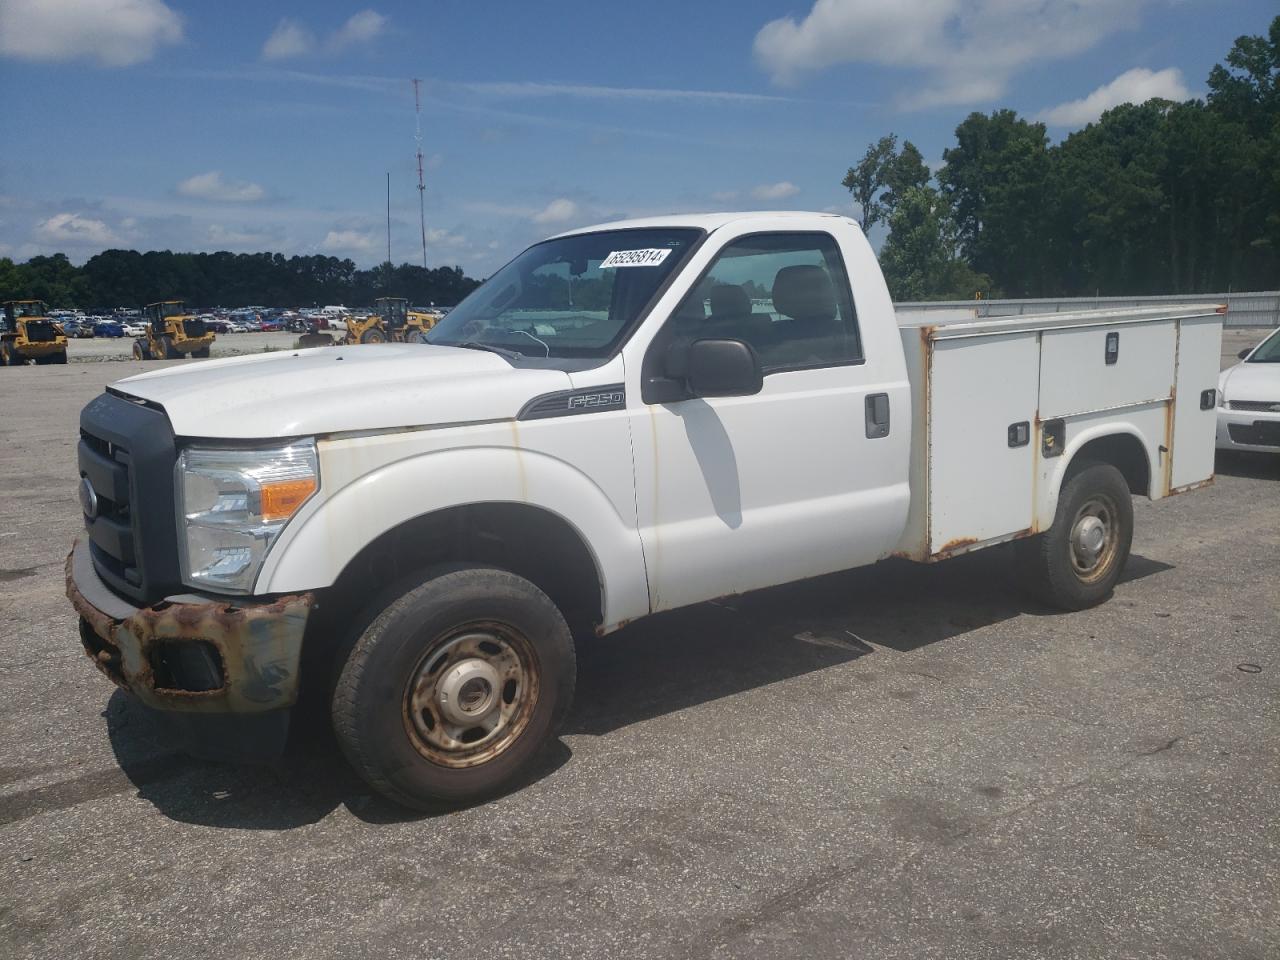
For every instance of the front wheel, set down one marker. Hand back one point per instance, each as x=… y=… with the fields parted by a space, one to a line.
x=1076 y=562
x=171 y=352
x=140 y=350
x=455 y=688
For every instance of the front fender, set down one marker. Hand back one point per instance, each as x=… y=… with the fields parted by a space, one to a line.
x=330 y=531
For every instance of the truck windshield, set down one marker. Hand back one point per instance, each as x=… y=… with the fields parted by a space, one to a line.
x=570 y=297
x=1268 y=351
x=171 y=309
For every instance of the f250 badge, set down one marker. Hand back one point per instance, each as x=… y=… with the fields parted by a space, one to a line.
x=584 y=401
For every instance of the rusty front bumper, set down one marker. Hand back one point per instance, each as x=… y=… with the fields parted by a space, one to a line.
x=193 y=657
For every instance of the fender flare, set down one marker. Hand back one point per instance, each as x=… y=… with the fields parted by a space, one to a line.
x=1047 y=505
x=317 y=545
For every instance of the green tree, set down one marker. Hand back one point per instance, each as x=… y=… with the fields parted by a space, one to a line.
x=882 y=176
x=921 y=258
x=996 y=179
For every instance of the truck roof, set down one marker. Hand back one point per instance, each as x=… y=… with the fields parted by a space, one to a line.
x=702 y=221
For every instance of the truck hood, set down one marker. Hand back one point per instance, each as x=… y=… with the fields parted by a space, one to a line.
x=338 y=389
x=1251 y=381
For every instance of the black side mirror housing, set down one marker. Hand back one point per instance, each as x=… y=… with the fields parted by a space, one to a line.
x=723 y=368
x=1245 y=352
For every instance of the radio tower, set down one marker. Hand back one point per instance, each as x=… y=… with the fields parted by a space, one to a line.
x=422 y=187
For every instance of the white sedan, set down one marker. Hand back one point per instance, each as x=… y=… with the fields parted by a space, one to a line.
x=1249 y=400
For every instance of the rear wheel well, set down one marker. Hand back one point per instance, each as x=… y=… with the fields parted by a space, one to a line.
x=1123 y=451
x=528 y=541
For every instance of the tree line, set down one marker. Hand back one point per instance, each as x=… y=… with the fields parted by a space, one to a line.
x=1153 y=198
x=116 y=278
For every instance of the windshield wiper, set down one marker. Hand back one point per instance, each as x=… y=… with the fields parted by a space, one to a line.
x=488 y=347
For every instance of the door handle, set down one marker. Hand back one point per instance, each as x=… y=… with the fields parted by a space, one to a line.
x=877 y=415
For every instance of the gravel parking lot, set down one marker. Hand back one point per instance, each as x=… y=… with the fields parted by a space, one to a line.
x=225 y=345
x=901 y=761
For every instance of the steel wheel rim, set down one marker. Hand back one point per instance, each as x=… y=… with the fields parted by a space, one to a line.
x=1095 y=538
x=471 y=694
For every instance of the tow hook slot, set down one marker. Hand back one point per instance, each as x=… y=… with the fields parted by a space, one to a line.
x=1020 y=433
x=1053 y=438
x=1208 y=399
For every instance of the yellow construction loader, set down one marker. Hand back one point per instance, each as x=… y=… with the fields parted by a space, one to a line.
x=391 y=320
x=28 y=333
x=172 y=333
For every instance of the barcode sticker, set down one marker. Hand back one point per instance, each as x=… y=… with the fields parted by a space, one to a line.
x=634 y=258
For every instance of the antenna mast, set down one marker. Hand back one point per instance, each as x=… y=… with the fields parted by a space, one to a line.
x=422 y=187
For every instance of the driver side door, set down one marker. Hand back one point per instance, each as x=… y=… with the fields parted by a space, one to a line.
x=739 y=492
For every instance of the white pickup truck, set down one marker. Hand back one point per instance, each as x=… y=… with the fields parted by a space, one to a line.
x=622 y=420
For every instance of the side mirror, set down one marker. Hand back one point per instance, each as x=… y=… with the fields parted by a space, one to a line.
x=1245 y=352
x=723 y=368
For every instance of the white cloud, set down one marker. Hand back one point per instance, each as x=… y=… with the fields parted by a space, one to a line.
x=360 y=28
x=960 y=51
x=293 y=38
x=1134 y=86
x=71 y=228
x=223 y=237
x=725 y=196
x=211 y=186
x=557 y=211
x=346 y=241
x=116 y=33
x=289 y=39
x=775 y=191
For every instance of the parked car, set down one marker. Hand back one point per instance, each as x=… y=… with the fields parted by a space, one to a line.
x=578 y=468
x=270 y=325
x=1249 y=400
x=133 y=328
x=103 y=327
x=80 y=329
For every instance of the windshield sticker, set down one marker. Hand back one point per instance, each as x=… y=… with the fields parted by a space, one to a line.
x=634 y=258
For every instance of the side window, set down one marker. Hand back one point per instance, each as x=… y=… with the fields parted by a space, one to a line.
x=785 y=294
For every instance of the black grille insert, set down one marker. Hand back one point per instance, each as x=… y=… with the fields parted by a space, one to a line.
x=126 y=456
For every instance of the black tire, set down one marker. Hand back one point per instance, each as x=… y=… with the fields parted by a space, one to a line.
x=201 y=354
x=170 y=351
x=140 y=350
x=59 y=357
x=373 y=335
x=417 y=641
x=1064 y=572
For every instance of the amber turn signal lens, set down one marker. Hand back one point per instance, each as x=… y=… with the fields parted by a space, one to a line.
x=282 y=498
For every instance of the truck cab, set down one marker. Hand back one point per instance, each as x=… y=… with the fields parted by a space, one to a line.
x=28 y=333
x=623 y=420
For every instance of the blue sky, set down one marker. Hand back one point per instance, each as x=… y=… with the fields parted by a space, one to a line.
x=174 y=124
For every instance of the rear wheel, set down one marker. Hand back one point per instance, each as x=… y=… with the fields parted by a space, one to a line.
x=170 y=351
x=1075 y=563
x=455 y=688
x=59 y=357
x=201 y=354
x=9 y=356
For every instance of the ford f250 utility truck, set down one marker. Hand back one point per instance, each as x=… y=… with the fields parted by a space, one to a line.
x=622 y=420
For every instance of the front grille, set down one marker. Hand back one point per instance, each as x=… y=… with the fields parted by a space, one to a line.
x=194 y=328
x=1260 y=433
x=127 y=455
x=41 y=331
x=1257 y=406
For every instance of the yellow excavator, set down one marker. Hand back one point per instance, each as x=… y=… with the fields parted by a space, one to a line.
x=28 y=333
x=390 y=321
x=172 y=333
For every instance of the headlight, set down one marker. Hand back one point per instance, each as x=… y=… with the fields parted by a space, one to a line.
x=232 y=505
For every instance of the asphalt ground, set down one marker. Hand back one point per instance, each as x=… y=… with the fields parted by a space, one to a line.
x=900 y=761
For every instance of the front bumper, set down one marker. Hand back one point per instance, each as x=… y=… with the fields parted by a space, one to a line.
x=1248 y=430
x=189 y=654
